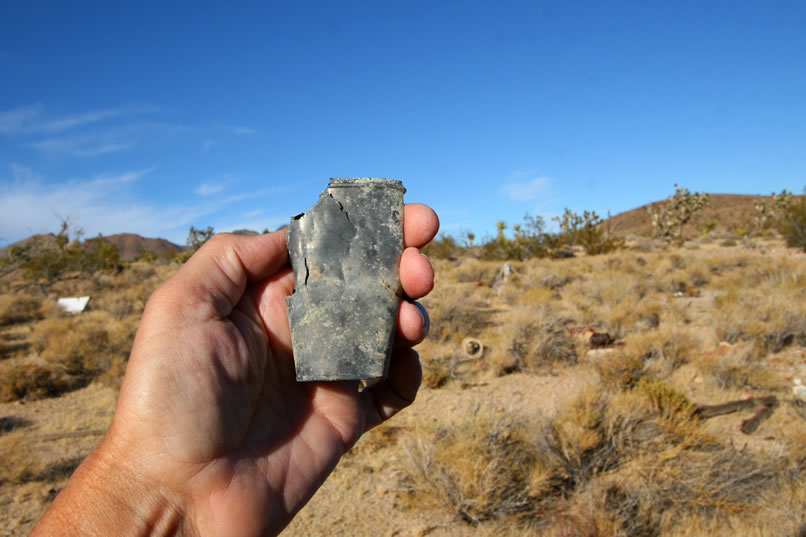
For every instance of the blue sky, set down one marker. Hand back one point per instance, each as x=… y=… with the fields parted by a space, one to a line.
x=150 y=117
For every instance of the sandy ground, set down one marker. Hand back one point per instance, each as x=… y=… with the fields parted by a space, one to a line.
x=63 y=430
x=58 y=434
x=359 y=498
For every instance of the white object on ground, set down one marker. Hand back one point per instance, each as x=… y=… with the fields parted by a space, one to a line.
x=799 y=390
x=74 y=304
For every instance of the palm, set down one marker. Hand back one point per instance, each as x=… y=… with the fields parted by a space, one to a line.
x=224 y=425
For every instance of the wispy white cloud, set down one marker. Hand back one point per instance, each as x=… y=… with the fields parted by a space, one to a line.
x=258 y=223
x=240 y=130
x=207 y=144
x=208 y=189
x=33 y=119
x=90 y=145
x=87 y=134
x=123 y=178
x=69 y=122
x=100 y=204
x=243 y=130
x=527 y=191
x=20 y=119
x=523 y=172
x=107 y=204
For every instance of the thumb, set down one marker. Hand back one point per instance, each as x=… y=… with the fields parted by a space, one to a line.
x=214 y=279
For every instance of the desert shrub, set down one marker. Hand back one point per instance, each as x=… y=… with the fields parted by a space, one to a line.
x=663 y=350
x=636 y=463
x=45 y=259
x=84 y=345
x=15 y=464
x=632 y=314
x=438 y=370
x=484 y=469
x=738 y=367
x=460 y=318
x=714 y=491
x=122 y=302
x=665 y=399
x=556 y=281
x=577 y=441
x=73 y=351
x=670 y=216
x=587 y=230
x=619 y=371
x=791 y=218
x=445 y=246
x=474 y=271
x=195 y=240
x=538 y=339
x=18 y=464
x=770 y=315
x=19 y=309
x=36 y=381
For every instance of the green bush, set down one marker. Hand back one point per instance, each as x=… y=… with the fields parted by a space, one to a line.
x=49 y=258
x=444 y=247
x=791 y=220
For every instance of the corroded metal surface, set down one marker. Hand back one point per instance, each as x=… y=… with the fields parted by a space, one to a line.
x=345 y=253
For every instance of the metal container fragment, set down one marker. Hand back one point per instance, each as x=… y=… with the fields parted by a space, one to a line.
x=345 y=253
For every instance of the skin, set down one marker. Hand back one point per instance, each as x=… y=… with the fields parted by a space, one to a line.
x=212 y=435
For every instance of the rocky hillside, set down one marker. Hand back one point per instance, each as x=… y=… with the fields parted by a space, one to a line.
x=131 y=245
x=728 y=212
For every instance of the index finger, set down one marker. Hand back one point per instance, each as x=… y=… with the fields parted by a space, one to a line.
x=420 y=224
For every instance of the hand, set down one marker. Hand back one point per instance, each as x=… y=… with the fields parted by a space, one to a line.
x=212 y=435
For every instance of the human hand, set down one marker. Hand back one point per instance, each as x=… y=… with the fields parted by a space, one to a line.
x=212 y=435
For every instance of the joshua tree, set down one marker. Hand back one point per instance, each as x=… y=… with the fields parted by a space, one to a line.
x=670 y=216
x=197 y=237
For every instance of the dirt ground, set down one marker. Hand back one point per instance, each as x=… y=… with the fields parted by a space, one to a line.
x=358 y=499
x=62 y=431
x=59 y=433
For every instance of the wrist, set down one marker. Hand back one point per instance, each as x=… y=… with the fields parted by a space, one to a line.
x=106 y=497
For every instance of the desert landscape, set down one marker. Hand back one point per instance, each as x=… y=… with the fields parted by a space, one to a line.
x=603 y=380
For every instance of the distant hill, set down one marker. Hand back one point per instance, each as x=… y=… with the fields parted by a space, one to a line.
x=48 y=239
x=131 y=245
x=730 y=212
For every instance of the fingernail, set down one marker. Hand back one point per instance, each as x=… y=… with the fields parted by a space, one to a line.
x=424 y=316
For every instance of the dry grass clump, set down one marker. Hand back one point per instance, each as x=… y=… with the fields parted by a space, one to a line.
x=537 y=340
x=85 y=345
x=19 y=464
x=632 y=463
x=437 y=370
x=18 y=309
x=769 y=315
x=738 y=367
x=47 y=352
x=663 y=350
x=459 y=319
x=35 y=381
x=471 y=270
x=484 y=469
